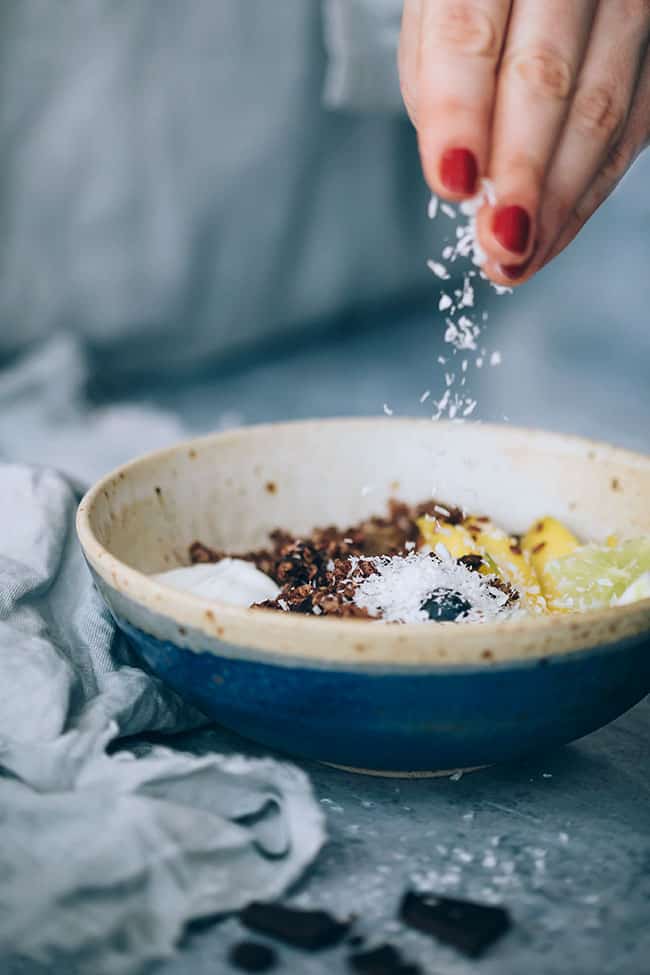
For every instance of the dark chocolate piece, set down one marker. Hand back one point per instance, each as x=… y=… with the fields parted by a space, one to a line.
x=382 y=960
x=303 y=929
x=469 y=927
x=251 y=956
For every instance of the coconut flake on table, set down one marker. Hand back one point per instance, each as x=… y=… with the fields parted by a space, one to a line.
x=230 y=580
x=402 y=583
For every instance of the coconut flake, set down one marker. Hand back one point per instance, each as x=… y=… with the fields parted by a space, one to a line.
x=401 y=584
x=439 y=270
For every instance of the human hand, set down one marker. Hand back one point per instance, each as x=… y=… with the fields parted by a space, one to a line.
x=550 y=99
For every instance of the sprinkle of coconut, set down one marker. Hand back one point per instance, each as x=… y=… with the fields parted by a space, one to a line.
x=489 y=191
x=425 y=396
x=402 y=583
x=439 y=270
x=387 y=410
x=432 y=209
x=462 y=330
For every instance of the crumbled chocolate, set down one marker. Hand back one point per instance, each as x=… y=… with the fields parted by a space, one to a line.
x=469 y=927
x=435 y=509
x=203 y=553
x=382 y=960
x=303 y=929
x=251 y=956
x=473 y=562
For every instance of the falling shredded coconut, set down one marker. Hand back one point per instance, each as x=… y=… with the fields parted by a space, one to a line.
x=402 y=583
x=462 y=328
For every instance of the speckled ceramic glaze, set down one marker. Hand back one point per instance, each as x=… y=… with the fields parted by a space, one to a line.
x=374 y=697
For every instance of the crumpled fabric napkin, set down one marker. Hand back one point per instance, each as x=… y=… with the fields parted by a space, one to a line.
x=104 y=858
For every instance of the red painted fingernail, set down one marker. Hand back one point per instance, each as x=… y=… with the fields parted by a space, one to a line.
x=511 y=227
x=459 y=171
x=514 y=271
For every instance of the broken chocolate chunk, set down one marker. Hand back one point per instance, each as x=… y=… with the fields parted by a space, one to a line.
x=251 y=956
x=303 y=929
x=382 y=960
x=469 y=927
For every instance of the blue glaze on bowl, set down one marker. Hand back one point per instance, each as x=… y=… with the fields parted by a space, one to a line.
x=410 y=720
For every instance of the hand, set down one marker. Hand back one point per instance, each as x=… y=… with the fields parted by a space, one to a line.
x=550 y=99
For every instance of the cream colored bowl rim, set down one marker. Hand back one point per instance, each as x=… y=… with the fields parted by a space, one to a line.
x=356 y=641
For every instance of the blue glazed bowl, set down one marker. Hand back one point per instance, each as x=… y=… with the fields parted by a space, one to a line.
x=404 y=700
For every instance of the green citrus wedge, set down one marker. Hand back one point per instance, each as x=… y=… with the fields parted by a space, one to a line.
x=595 y=576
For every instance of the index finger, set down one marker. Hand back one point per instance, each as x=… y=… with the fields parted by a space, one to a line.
x=460 y=46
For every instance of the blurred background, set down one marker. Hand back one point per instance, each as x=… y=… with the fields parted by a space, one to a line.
x=213 y=214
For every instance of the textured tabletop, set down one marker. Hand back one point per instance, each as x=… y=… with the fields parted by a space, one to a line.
x=563 y=840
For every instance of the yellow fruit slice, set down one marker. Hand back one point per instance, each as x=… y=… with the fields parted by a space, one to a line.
x=512 y=562
x=456 y=539
x=595 y=576
x=545 y=540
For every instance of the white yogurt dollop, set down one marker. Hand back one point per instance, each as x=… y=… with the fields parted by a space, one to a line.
x=231 y=580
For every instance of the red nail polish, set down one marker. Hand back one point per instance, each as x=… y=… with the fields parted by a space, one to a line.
x=459 y=171
x=511 y=227
x=513 y=271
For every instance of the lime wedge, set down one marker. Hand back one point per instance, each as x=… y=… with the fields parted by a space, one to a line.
x=595 y=576
x=640 y=589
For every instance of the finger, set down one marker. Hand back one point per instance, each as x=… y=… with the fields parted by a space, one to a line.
x=619 y=158
x=603 y=99
x=460 y=45
x=597 y=195
x=407 y=57
x=543 y=53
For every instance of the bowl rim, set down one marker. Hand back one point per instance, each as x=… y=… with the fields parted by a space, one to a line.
x=315 y=640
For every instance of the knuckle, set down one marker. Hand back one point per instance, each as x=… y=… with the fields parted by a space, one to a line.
x=544 y=71
x=523 y=167
x=617 y=161
x=580 y=213
x=464 y=28
x=635 y=9
x=596 y=112
x=562 y=208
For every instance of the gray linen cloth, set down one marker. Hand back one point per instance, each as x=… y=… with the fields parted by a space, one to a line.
x=103 y=858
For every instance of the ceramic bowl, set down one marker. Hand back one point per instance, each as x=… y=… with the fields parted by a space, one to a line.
x=391 y=699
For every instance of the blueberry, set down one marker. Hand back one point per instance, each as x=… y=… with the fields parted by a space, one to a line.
x=445 y=605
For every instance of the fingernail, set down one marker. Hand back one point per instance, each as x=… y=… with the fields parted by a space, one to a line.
x=459 y=171
x=511 y=227
x=513 y=271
